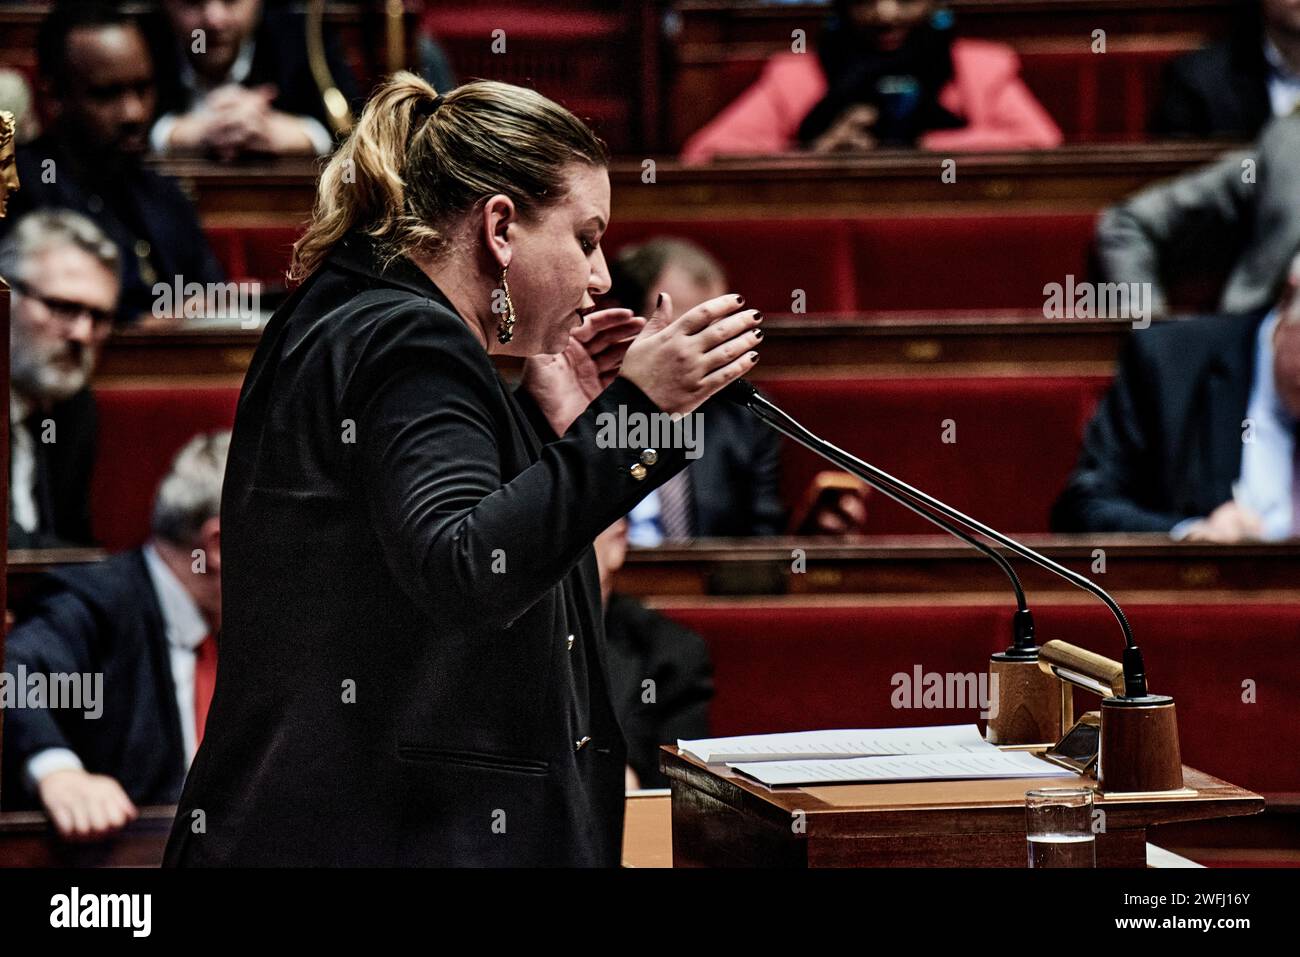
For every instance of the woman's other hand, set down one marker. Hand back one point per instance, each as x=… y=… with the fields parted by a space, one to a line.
x=679 y=363
x=564 y=385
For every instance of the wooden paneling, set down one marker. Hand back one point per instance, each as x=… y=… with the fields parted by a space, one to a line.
x=1070 y=179
x=793 y=346
x=941 y=565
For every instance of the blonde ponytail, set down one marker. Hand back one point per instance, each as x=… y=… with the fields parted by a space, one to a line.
x=416 y=160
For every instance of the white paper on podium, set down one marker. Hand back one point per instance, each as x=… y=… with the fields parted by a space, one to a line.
x=795 y=745
x=956 y=766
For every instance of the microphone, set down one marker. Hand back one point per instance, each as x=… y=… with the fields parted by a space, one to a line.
x=743 y=393
x=1022 y=646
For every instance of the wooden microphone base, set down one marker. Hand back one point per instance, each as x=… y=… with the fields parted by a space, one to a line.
x=1139 y=745
x=1029 y=709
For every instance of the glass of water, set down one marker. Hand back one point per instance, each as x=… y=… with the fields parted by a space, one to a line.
x=1058 y=824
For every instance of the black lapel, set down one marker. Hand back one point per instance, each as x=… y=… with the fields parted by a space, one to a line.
x=1251 y=85
x=160 y=656
x=1227 y=397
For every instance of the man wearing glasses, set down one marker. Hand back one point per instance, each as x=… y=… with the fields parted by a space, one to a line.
x=64 y=274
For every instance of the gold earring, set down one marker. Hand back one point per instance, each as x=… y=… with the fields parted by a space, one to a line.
x=506 y=326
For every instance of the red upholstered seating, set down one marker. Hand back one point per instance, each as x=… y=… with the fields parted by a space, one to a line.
x=780 y=667
x=876 y=263
x=140 y=431
x=967 y=261
x=254 y=253
x=786 y=668
x=1096 y=97
x=887 y=263
x=765 y=259
x=1016 y=440
x=583 y=58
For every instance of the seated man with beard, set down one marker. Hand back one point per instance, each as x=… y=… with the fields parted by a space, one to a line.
x=64 y=275
x=249 y=87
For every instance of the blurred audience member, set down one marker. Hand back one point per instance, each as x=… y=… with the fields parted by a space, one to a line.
x=234 y=78
x=886 y=73
x=732 y=489
x=146 y=620
x=63 y=271
x=435 y=64
x=660 y=677
x=1232 y=88
x=1197 y=436
x=16 y=98
x=1239 y=216
x=97 y=87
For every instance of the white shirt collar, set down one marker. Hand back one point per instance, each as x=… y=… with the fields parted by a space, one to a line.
x=1277 y=63
x=238 y=73
x=1265 y=390
x=184 y=623
x=19 y=407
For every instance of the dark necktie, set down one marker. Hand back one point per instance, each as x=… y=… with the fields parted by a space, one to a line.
x=42 y=481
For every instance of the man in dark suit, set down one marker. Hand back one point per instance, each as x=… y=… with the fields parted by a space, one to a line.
x=146 y=621
x=1197 y=436
x=97 y=80
x=660 y=676
x=63 y=271
x=732 y=489
x=1239 y=216
x=235 y=78
x=1232 y=88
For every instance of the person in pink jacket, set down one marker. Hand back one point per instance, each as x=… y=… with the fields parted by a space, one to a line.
x=886 y=73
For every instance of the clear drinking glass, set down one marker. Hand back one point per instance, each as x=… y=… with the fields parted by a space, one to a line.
x=1058 y=824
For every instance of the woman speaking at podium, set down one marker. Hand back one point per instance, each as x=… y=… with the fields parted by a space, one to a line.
x=411 y=666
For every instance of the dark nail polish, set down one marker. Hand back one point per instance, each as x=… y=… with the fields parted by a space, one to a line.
x=740 y=300
x=758 y=334
x=753 y=357
x=758 y=317
x=660 y=301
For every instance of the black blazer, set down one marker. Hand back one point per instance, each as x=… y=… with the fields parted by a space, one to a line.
x=412 y=662
x=136 y=205
x=1221 y=90
x=1165 y=443
x=646 y=646
x=736 y=481
x=99 y=618
x=63 y=471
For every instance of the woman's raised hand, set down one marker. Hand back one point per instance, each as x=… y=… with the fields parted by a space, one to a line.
x=679 y=363
x=564 y=385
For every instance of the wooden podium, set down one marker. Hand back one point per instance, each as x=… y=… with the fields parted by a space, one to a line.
x=723 y=819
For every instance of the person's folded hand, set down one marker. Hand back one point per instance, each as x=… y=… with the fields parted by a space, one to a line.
x=85 y=806
x=1227 y=524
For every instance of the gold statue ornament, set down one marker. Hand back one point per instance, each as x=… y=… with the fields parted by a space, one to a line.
x=8 y=162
